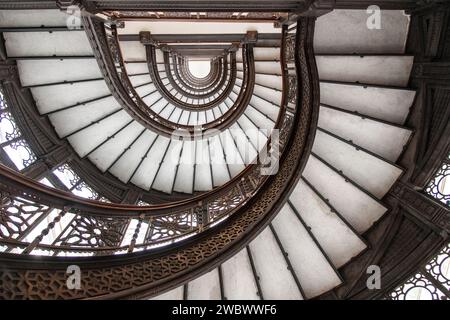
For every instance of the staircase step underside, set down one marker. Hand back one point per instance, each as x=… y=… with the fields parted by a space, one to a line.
x=365 y=101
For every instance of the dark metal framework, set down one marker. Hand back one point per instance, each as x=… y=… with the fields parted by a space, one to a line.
x=106 y=47
x=161 y=269
x=195 y=105
x=416 y=228
x=431 y=281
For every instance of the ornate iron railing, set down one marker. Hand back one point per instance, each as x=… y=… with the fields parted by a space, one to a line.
x=439 y=186
x=206 y=84
x=197 y=104
x=93 y=228
x=105 y=44
x=225 y=74
x=431 y=281
x=222 y=221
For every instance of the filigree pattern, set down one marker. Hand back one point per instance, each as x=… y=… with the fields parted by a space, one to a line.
x=67 y=176
x=23 y=155
x=113 y=48
x=8 y=128
x=417 y=288
x=290 y=48
x=84 y=190
x=17 y=148
x=292 y=89
x=168 y=227
x=439 y=186
x=284 y=133
x=90 y=231
x=225 y=203
x=17 y=215
x=439 y=267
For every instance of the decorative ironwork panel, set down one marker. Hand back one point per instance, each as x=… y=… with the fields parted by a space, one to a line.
x=84 y=190
x=15 y=147
x=417 y=288
x=8 y=128
x=439 y=186
x=20 y=153
x=227 y=202
x=90 y=231
x=67 y=176
x=439 y=267
x=169 y=227
x=292 y=89
x=17 y=215
x=290 y=48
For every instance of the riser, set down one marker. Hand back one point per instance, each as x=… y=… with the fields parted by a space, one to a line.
x=276 y=280
x=356 y=206
x=314 y=271
x=384 y=139
x=338 y=241
x=387 y=104
x=373 y=174
x=381 y=70
x=346 y=31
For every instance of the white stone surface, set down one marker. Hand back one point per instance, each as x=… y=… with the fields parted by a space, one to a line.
x=313 y=270
x=206 y=287
x=346 y=31
x=373 y=174
x=238 y=280
x=382 y=103
x=276 y=279
x=356 y=206
x=381 y=138
x=338 y=241
x=381 y=70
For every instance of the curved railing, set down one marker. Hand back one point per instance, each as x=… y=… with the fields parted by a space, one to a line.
x=105 y=43
x=111 y=64
x=178 y=102
x=225 y=219
x=193 y=85
x=240 y=104
x=166 y=223
x=186 y=90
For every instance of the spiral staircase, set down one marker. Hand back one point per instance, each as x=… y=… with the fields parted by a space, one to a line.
x=328 y=98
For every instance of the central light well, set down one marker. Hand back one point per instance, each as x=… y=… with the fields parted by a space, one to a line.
x=199 y=68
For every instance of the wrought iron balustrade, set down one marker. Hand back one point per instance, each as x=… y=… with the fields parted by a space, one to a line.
x=215 y=224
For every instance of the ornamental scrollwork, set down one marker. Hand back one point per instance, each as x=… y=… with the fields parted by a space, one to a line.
x=91 y=231
x=18 y=215
x=417 y=288
x=436 y=186
x=258 y=198
x=290 y=48
x=292 y=89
